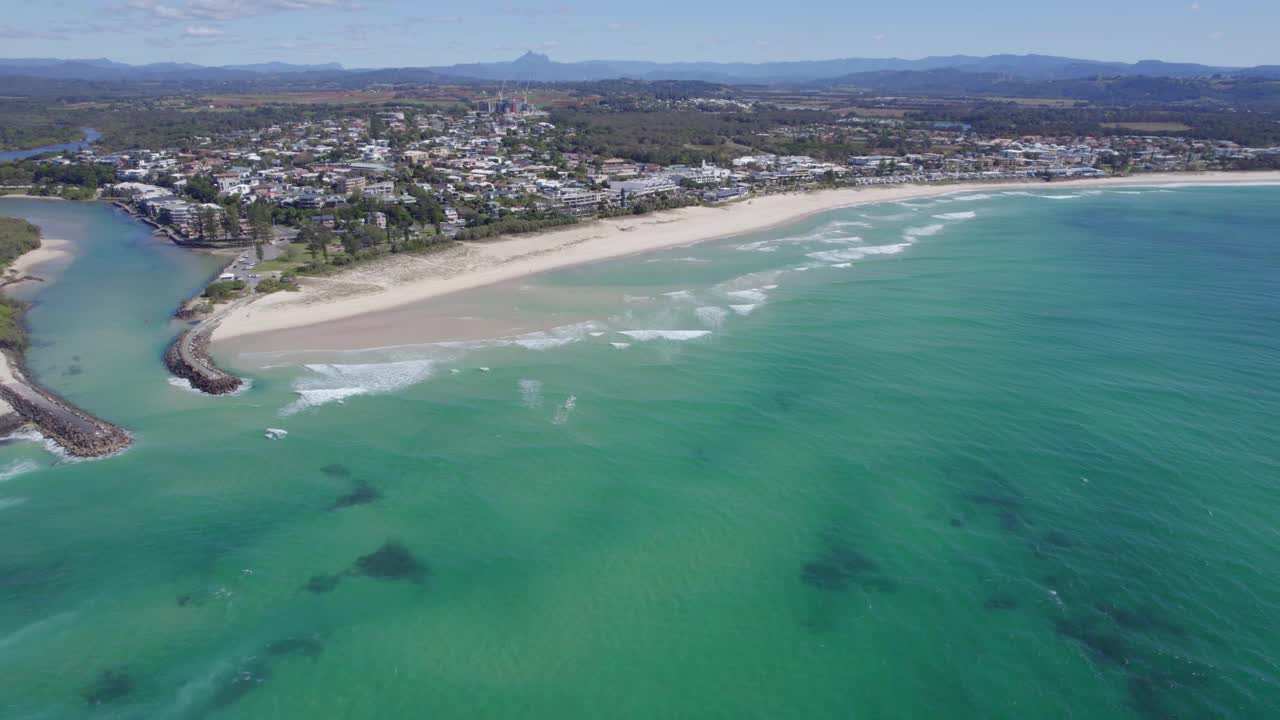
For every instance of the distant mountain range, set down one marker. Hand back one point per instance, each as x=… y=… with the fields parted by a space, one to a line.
x=102 y=69
x=536 y=67
x=540 y=68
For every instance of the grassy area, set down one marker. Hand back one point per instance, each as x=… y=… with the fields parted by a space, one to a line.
x=1149 y=126
x=291 y=259
x=1037 y=102
x=17 y=236
x=12 y=335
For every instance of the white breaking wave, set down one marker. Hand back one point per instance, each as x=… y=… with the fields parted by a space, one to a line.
x=839 y=240
x=891 y=218
x=540 y=341
x=620 y=346
x=843 y=265
x=743 y=309
x=923 y=231
x=16 y=468
x=679 y=295
x=53 y=448
x=556 y=337
x=530 y=393
x=711 y=316
x=966 y=215
x=185 y=385
x=754 y=295
x=646 y=335
x=847 y=254
x=969 y=198
x=832 y=233
x=1058 y=197
x=1183 y=185
x=636 y=298
x=329 y=383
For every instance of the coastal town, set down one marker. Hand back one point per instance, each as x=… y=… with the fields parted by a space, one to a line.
x=361 y=183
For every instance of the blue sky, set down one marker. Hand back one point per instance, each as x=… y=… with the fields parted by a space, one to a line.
x=384 y=33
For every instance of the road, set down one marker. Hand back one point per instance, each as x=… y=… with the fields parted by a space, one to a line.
x=242 y=267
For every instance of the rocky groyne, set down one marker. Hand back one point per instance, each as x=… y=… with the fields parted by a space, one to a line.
x=188 y=358
x=78 y=432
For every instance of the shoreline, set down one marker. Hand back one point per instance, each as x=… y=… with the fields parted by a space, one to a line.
x=24 y=402
x=365 y=292
x=24 y=196
x=23 y=268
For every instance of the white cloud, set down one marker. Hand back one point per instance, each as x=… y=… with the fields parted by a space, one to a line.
x=434 y=19
x=202 y=31
x=221 y=10
x=1216 y=35
x=879 y=37
x=533 y=11
x=1195 y=7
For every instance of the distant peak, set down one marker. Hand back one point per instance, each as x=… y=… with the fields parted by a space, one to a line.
x=533 y=57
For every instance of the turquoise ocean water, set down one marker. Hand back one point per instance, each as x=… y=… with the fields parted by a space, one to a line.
x=989 y=456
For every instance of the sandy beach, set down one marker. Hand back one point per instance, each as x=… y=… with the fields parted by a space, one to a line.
x=50 y=249
x=311 y=316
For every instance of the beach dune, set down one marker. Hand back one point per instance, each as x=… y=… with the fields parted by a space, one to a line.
x=312 y=317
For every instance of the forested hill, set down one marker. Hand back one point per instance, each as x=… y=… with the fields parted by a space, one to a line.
x=1245 y=91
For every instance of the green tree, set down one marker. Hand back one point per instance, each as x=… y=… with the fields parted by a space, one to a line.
x=202 y=189
x=260 y=222
x=231 y=220
x=212 y=225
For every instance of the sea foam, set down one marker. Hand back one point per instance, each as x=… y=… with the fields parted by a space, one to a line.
x=923 y=231
x=711 y=316
x=847 y=254
x=16 y=468
x=646 y=335
x=754 y=295
x=328 y=383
